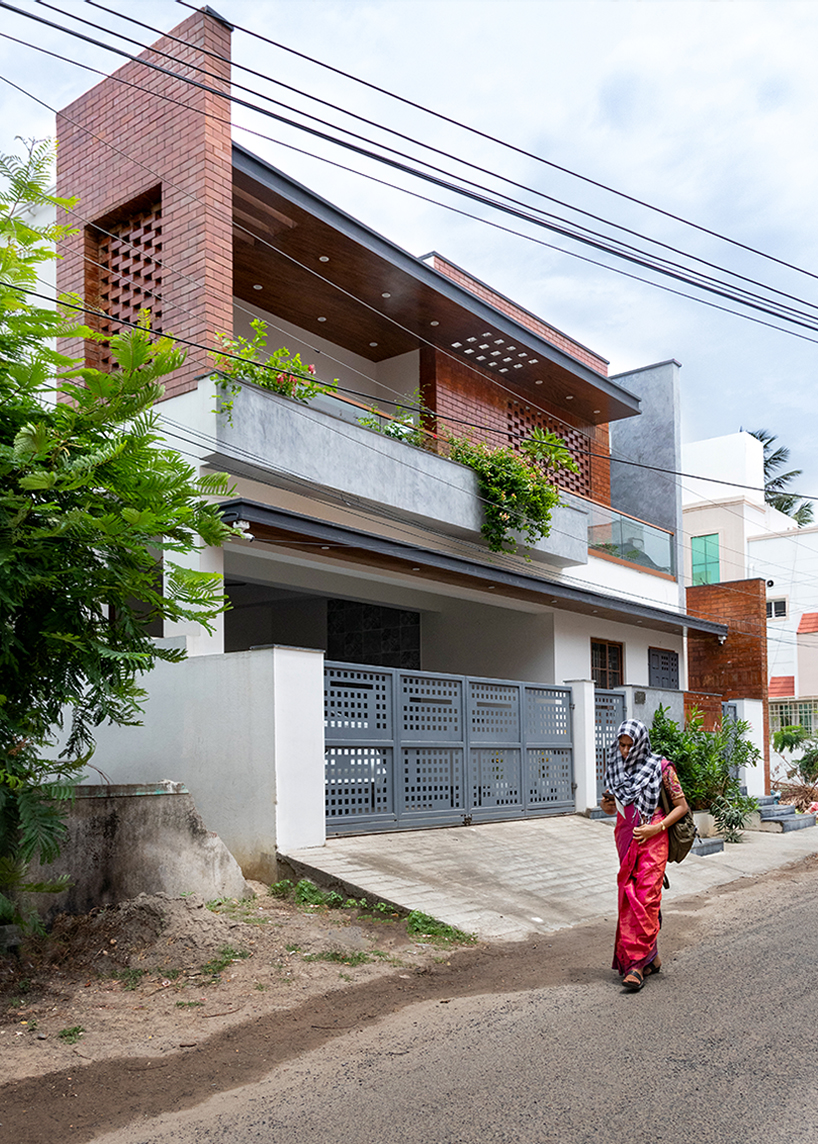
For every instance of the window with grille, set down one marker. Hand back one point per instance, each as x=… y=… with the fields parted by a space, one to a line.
x=776 y=609
x=793 y=713
x=606 y=664
x=704 y=558
x=663 y=668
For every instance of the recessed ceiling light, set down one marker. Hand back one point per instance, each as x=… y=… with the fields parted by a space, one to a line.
x=510 y=348
x=569 y=397
x=597 y=411
x=481 y=357
x=538 y=381
x=416 y=570
x=492 y=587
x=323 y=258
x=258 y=286
x=373 y=344
x=498 y=341
x=325 y=548
x=322 y=319
x=534 y=361
x=434 y=323
x=386 y=295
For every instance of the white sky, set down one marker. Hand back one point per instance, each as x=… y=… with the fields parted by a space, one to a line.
x=706 y=109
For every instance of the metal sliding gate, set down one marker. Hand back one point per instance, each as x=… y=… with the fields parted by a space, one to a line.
x=609 y=714
x=408 y=750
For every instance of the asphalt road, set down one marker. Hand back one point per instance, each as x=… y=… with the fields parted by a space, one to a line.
x=722 y=1046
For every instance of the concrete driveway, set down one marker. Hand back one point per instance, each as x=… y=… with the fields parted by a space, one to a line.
x=507 y=880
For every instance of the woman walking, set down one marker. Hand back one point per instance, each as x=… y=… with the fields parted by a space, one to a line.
x=633 y=779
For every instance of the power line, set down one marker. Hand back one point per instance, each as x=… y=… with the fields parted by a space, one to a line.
x=772 y=309
x=403 y=190
x=408 y=138
x=512 y=147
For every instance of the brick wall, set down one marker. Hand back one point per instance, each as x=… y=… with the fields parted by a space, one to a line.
x=736 y=669
x=536 y=325
x=124 y=151
x=468 y=403
x=708 y=706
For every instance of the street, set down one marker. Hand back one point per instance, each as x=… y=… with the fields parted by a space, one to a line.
x=720 y=1047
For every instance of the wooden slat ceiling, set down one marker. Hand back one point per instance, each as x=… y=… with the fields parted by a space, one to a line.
x=364 y=298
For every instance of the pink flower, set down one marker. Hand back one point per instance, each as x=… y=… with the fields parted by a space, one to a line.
x=813 y=808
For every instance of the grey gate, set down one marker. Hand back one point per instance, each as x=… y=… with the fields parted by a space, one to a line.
x=609 y=712
x=414 y=749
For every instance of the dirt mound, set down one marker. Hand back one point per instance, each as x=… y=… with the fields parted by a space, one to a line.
x=151 y=931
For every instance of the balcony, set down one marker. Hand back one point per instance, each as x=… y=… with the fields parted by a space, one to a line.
x=616 y=536
x=310 y=451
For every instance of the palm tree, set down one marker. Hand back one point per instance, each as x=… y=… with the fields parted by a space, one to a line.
x=775 y=483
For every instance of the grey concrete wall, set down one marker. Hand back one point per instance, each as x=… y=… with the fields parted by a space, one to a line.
x=127 y=840
x=643 y=702
x=330 y=453
x=653 y=438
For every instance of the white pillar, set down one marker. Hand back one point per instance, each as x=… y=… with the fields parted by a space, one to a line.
x=199 y=640
x=752 y=711
x=298 y=697
x=584 y=728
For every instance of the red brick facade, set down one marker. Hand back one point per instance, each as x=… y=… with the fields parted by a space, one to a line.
x=736 y=669
x=467 y=403
x=128 y=150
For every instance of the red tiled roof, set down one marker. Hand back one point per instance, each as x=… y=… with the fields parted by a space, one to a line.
x=781 y=687
x=809 y=623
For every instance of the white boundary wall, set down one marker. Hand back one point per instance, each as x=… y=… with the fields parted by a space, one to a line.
x=245 y=733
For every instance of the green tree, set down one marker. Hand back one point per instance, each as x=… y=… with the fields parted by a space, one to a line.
x=775 y=482
x=93 y=509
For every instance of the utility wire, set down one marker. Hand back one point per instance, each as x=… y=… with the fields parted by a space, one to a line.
x=511 y=147
x=446 y=206
x=772 y=309
x=407 y=138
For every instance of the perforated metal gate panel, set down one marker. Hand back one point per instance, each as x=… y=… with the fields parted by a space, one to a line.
x=609 y=714
x=416 y=749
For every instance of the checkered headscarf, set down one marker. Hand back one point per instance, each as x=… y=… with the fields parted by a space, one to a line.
x=636 y=780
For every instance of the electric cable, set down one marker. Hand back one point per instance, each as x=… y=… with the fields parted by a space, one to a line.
x=772 y=309
x=512 y=147
x=401 y=135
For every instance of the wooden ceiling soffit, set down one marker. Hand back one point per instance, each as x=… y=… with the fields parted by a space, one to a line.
x=330 y=275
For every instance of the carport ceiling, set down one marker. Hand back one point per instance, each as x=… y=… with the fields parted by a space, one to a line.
x=298 y=257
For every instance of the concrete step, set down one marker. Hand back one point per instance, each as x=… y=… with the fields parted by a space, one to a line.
x=768 y=813
x=598 y=812
x=707 y=846
x=785 y=825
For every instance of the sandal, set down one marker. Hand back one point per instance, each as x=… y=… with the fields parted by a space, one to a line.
x=633 y=980
x=654 y=967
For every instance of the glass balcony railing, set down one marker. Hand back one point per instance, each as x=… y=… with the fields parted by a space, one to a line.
x=626 y=538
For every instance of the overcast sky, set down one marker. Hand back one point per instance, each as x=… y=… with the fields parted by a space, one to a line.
x=706 y=110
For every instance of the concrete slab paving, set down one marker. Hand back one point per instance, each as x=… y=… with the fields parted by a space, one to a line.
x=508 y=880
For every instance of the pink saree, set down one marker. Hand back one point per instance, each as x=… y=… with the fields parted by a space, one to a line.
x=639 y=884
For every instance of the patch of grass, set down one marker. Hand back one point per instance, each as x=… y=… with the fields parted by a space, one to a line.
x=308 y=894
x=130 y=978
x=281 y=889
x=220 y=962
x=189 y=1004
x=72 y=1035
x=358 y=957
x=171 y=974
x=422 y=925
x=291 y=947
x=260 y=986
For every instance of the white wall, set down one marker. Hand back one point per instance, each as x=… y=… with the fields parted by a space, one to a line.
x=375 y=380
x=737 y=458
x=572 y=640
x=790 y=560
x=225 y=726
